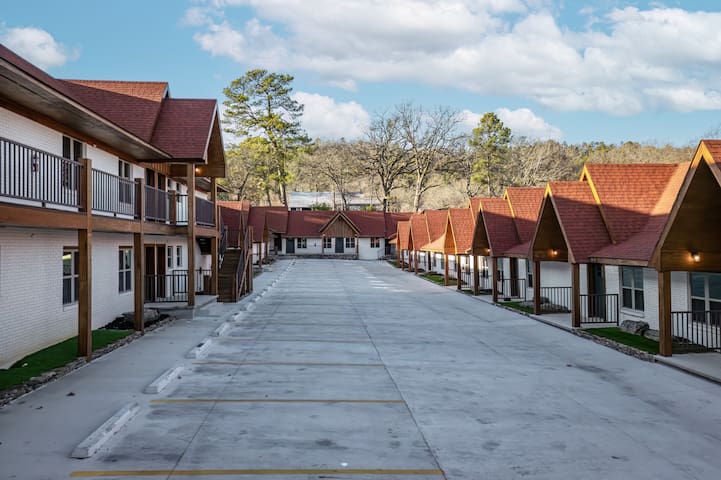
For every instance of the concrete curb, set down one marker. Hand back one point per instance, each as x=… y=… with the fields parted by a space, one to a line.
x=224 y=327
x=164 y=379
x=88 y=447
x=199 y=350
x=666 y=361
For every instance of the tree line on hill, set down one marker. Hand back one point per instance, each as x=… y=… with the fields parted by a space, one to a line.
x=408 y=158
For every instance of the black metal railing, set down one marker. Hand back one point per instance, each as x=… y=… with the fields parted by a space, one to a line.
x=512 y=289
x=181 y=209
x=599 y=308
x=157 y=203
x=204 y=212
x=466 y=278
x=485 y=282
x=555 y=299
x=169 y=287
x=27 y=173
x=113 y=194
x=696 y=331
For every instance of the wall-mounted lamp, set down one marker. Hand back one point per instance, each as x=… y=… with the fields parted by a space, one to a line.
x=197 y=169
x=488 y=250
x=554 y=252
x=696 y=257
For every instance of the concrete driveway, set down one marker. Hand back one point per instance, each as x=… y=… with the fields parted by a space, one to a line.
x=348 y=369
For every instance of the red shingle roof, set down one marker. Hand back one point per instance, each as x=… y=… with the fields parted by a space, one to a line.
x=256 y=219
x=369 y=224
x=525 y=204
x=277 y=219
x=392 y=219
x=419 y=231
x=500 y=227
x=437 y=220
x=183 y=127
x=307 y=223
x=404 y=235
x=461 y=221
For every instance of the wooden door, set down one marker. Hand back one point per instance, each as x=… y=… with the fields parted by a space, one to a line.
x=515 y=290
x=596 y=290
x=339 y=247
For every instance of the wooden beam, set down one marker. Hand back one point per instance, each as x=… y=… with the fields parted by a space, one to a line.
x=25 y=216
x=445 y=269
x=665 y=331
x=458 y=272
x=415 y=261
x=138 y=281
x=537 y=287
x=190 y=175
x=476 y=276
x=575 y=295
x=85 y=266
x=494 y=278
x=214 y=266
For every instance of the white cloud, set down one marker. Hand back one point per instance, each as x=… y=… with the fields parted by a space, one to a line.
x=623 y=61
x=325 y=118
x=37 y=46
x=522 y=122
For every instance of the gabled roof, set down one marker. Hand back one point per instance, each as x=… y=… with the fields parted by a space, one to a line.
x=579 y=218
x=340 y=217
x=475 y=204
x=419 y=231
x=461 y=222
x=436 y=223
x=404 y=235
x=303 y=223
x=525 y=203
x=369 y=224
x=135 y=106
x=184 y=126
x=277 y=219
x=500 y=227
x=256 y=219
x=392 y=219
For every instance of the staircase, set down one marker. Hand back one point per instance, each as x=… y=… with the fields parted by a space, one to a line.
x=226 y=286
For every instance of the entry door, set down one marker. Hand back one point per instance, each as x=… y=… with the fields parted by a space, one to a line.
x=155 y=281
x=290 y=245
x=596 y=289
x=514 y=278
x=339 y=247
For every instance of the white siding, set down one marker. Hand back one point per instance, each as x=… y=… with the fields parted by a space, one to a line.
x=555 y=274
x=23 y=130
x=365 y=252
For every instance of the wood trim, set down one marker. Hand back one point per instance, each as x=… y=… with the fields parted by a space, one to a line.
x=190 y=175
x=138 y=281
x=476 y=276
x=665 y=333
x=537 y=287
x=494 y=278
x=585 y=175
x=575 y=295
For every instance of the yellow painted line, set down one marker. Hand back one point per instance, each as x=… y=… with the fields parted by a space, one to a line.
x=267 y=400
x=310 y=340
x=293 y=364
x=275 y=471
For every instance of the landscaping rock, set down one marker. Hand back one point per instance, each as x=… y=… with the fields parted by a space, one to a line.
x=149 y=315
x=632 y=326
x=651 y=333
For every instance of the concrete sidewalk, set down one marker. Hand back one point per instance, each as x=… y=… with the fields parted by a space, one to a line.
x=39 y=430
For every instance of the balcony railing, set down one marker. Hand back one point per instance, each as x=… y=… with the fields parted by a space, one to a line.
x=157 y=204
x=512 y=289
x=555 y=299
x=599 y=308
x=696 y=331
x=113 y=194
x=204 y=212
x=27 y=173
x=173 y=286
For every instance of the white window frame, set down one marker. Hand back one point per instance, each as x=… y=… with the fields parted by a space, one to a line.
x=169 y=256
x=349 y=242
x=327 y=242
x=375 y=242
x=633 y=288
x=73 y=276
x=301 y=243
x=178 y=256
x=529 y=273
x=125 y=269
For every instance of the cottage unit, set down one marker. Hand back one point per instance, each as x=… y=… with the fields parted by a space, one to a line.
x=107 y=201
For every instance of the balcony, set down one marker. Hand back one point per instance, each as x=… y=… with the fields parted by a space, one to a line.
x=34 y=178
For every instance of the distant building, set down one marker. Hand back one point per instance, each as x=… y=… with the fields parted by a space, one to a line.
x=333 y=200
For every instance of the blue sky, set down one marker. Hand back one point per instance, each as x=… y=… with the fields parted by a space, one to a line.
x=574 y=71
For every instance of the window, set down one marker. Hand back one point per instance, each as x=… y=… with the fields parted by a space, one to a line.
x=529 y=273
x=632 y=287
x=350 y=242
x=706 y=297
x=125 y=170
x=301 y=243
x=169 y=256
x=72 y=150
x=327 y=242
x=375 y=242
x=179 y=256
x=125 y=269
x=71 y=277
x=484 y=267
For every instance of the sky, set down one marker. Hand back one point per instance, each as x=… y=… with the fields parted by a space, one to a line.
x=569 y=70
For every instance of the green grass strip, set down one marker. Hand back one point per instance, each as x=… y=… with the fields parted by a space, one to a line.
x=54 y=356
x=517 y=306
x=437 y=278
x=617 y=335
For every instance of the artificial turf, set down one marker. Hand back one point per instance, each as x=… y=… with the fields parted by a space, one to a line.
x=617 y=335
x=54 y=356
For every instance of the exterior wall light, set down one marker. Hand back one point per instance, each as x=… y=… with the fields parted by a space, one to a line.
x=696 y=257
x=554 y=252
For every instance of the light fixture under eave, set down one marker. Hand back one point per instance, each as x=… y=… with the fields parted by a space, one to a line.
x=554 y=252
x=197 y=169
x=696 y=257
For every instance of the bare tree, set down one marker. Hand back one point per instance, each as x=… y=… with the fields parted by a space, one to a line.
x=533 y=163
x=337 y=163
x=384 y=154
x=430 y=137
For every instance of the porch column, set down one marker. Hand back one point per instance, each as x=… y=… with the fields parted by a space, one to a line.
x=575 y=295
x=428 y=261
x=190 y=176
x=173 y=213
x=458 y=272
x=322 y=245
x=445 y=270
x=214 y=265
x=476 y=276
x=665 y=331
x=214 y=199
x=494 y=278
x=357 y=246
x=537 y=287
x=415 y=261
x=138 y=280
x=85 y=270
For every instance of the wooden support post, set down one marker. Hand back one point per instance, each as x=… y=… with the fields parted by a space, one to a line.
x=214 y=199
x=494 y=278
x=575 y=295
x=85 y=265
x=445 y=269
x=214 y=265
x=357 y=246
x=190 y=176
x=322 y=246
x=138 y=281
x=476 y=276
x=537 y=287
x=173 y=207
x=458 y=272
x=665 y=327
x=415 y=261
